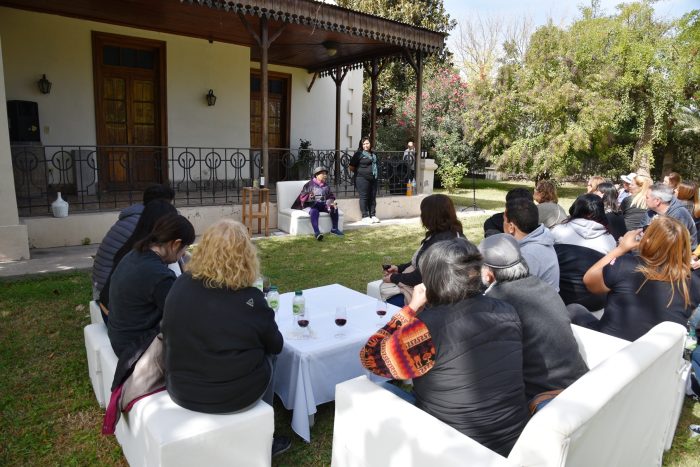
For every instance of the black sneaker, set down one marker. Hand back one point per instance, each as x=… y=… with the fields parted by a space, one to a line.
x=280 y=444
x=337 y=232
x=319 y=236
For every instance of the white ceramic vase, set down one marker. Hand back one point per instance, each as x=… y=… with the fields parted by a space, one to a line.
x=59 y=207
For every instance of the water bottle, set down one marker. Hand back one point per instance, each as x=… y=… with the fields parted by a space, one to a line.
x=413 y=187
x=273 y=298
x=258 y=283
x=298 y=303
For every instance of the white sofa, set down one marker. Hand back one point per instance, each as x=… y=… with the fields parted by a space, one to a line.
x=619 y=413
x=158 y=432
x=296 y=221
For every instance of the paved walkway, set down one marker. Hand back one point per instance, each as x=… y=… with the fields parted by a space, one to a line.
x=79 y=258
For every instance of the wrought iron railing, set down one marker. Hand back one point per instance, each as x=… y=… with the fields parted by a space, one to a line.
x=102 y=178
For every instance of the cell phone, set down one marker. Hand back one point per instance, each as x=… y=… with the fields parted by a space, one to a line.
x=644 y=229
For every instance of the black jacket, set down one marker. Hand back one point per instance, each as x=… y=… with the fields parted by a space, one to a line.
x=216 y=345
x=476 y=385
x=414 y=278
x=574 y=261
x=551 y=359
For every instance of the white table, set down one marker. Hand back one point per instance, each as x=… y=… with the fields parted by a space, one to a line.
x=307 y=370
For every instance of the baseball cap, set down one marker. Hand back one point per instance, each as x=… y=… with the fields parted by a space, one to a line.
x=628 y=178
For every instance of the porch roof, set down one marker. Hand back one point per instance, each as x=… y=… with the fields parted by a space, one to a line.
x=308 y=27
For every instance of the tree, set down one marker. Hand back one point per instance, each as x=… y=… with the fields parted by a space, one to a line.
x=397 y=80
x=598 y=96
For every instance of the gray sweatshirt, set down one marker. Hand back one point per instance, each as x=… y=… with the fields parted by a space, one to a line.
x=538 y=250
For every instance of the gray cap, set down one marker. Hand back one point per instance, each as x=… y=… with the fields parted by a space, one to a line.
x=320 y=169
x=500 y=251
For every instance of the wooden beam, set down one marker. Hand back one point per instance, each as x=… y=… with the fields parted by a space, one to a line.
x=419 y=120
x=313 y=80
x=338 y=80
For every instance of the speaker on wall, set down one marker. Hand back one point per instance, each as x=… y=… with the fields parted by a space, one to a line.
x=23 y=118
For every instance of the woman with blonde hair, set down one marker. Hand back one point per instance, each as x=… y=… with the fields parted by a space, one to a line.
x=687 y=193
x=593 y=183
x=219 y=334
x=550 y=213
x=634 y=207
x=646 y=289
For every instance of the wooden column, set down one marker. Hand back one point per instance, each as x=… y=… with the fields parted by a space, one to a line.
x=263 y=40
x=419 y=120
x=338 y=78
x=264 y=46
x=374 y=74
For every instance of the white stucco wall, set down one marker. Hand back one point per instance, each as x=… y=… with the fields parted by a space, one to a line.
x=313 y=112
x=60 y=47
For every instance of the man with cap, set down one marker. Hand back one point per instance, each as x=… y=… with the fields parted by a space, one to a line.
x=625 y=191
x=316 y=197
x=551 y=360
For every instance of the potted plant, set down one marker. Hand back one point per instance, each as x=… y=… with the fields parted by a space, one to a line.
x=305 y=160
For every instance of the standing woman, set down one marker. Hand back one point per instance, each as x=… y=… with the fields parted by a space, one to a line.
x=634 y=207
x=365 y=166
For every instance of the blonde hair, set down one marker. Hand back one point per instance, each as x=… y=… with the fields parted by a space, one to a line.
x=225 y=257
x=644 y=183
x=665 y=254
x=594 y=181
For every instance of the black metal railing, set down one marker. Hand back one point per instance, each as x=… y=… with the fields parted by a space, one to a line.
x=102 y=178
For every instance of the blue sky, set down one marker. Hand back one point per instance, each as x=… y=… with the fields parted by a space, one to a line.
x=560 y=11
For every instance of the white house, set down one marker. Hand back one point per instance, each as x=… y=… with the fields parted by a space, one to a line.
x=107 y=97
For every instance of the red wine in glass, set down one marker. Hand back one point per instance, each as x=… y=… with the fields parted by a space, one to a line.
x=381 y=312
x=340 y=321
x=303 y=323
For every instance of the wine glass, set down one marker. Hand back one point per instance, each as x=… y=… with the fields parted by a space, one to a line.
x=386 y=263
x=381 y=311
x=303 y=321
x=341 y=318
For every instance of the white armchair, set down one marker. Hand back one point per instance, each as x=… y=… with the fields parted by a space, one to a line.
x=619 y=413
x=296 y=221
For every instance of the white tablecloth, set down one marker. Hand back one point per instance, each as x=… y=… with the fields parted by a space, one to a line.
x=307 y=370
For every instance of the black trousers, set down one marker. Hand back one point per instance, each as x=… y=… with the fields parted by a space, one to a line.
x=367 y=189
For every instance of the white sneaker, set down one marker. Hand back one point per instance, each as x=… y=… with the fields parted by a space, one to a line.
x=366 y=220
x=375 y=220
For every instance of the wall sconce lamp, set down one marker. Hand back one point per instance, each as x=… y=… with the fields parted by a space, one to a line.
x=331 y=47
x=44 y=85
x=211 y=98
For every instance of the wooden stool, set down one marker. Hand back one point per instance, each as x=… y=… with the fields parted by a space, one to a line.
x=262 y=212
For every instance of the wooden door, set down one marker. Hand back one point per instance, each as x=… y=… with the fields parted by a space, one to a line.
x=129 y=111
x=278 y=120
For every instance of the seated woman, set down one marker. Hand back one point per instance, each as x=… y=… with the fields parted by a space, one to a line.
x=316 y=197
x=616 y=222
x=219 y=334
x=152 y=212
x=634 y=207
x=437 y=213
x=463 y=350
x=579 y=242
x=644 y=289
x=142 y=280
x=550 y=213
x=687 y=193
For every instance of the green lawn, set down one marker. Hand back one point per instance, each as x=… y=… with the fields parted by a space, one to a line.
x=48 y=414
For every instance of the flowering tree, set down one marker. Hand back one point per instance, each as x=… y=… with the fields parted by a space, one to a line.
x=444 y=103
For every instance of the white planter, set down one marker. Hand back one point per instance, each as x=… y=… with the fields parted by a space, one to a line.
x=59 y=207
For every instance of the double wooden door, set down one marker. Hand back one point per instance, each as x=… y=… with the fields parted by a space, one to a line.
x=129 y=111
x=278 y=120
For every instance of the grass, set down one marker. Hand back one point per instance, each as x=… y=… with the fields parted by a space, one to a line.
x=48 y=413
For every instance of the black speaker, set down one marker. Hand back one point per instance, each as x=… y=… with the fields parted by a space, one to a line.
x=23 y=118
